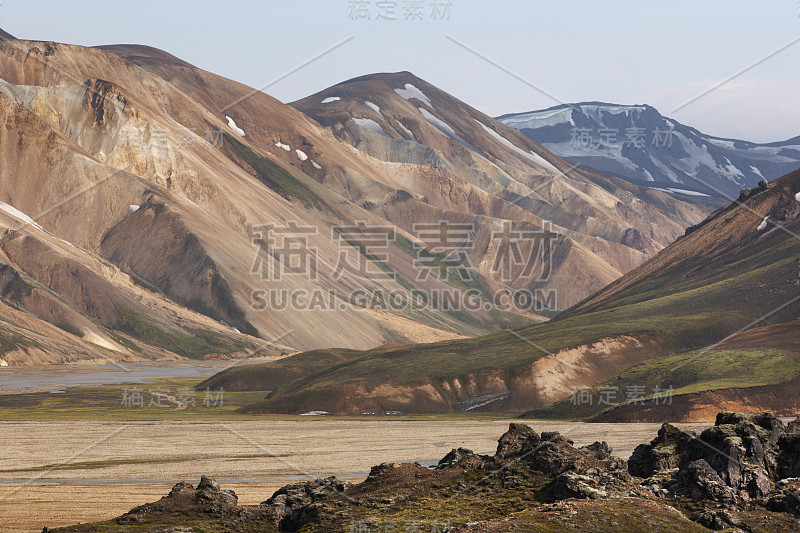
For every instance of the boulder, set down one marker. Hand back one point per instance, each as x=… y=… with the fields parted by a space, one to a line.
x=785 y=498
x=518 y=441
x=717 y=519
x=788 y=460
x=661 y=454
x=296 y=504
x=462 y=458
x=208 y=498
x=701 y=483
x=744 y=451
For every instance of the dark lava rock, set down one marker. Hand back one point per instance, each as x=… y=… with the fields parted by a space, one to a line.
x=207 y=499
x=519 y=440
x=590 y=472
x=661 y=454
x=717 y=519
x=789 y=451
x=701 y=482
x=785 y=498
x=462 y=458
x=298 y=504
x=208 y=490
x=744 y=451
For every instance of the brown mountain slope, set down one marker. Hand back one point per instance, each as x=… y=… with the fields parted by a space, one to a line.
x=148 y=187
x=173 y=175
x=482 y=166
x=731 y=273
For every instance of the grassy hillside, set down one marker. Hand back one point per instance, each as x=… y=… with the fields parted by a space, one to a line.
x=723 y=276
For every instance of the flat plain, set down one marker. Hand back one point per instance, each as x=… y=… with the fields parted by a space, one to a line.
x=63 y=472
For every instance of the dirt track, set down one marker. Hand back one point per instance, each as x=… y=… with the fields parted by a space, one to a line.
x=116 y=466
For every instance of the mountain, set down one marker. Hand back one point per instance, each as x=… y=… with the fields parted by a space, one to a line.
x=5 y=35
x=638 y=143
x=733 y=272
x=157 y=210
x=136 y=210
x=459 y=163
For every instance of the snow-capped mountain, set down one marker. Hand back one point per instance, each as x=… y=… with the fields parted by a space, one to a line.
x=449 y=161
x=638 y=143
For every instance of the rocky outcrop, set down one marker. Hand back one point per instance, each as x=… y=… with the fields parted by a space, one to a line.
x=728 y=477
x=463 y=458
x=742 y=459
x=208 y=499
x=297 y=504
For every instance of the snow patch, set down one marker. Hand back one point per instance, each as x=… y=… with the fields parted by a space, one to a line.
x=370 y=124
x=132 y=209
x=679 y=191
x=315 y=413
x=408 y=131
x=284 y=146
x=233 y=329
x=763 y=224
x=412 y=92
x=97 y=340
x=13 y=211
x=724 y=143
x=443 y=126
x=232 y=125
x=373 y=106
x=536 y=158
x=301 y=155
x=316 y=165
x=538 y=119
x=754 y=169
x=541 y=161
x=439 y=123
x=330 y=99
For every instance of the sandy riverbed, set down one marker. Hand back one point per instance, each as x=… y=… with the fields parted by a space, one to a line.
x=116 y=466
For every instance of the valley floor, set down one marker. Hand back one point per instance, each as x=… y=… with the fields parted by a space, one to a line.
x=63 y=472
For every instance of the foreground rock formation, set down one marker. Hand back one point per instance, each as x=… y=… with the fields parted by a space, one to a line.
x=742 y=474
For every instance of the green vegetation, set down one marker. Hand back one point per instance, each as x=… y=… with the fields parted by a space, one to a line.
x=106 y=402
x=269 y=376
x=685 y=373
x=191 y=343
x=17 y=288
x=113 y=402
x=122 y=340
x=683 y=304
x=69 y=328
x=276 y=177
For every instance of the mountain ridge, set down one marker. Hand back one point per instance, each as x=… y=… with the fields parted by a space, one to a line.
x=729 y=274
x=638 y=143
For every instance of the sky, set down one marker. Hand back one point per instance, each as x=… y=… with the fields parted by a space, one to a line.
x=500 y=56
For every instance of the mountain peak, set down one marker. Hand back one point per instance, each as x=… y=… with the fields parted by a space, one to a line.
x=138 y=53
x=639 y=144
x=5 y=35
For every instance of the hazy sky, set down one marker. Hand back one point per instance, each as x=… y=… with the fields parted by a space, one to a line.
x=662 y=53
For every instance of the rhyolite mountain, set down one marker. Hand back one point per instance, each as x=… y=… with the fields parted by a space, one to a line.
x=137 y=190
x=473 y=168
x=132 y=203
x=640 y=144
x=683 y=321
